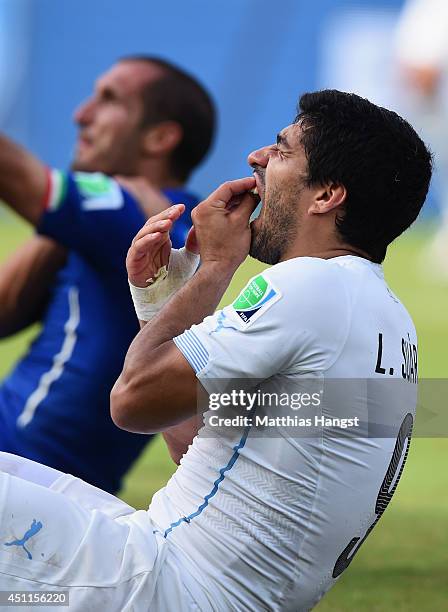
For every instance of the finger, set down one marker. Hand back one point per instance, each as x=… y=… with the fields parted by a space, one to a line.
x=150 y=243
x=231 y=189
x=245 y=207
x=157 y=226
x=173 y=213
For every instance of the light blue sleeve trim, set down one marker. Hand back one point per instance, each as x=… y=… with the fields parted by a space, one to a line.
x=192 y=349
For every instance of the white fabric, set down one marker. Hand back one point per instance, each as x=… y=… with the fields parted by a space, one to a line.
x=247 y=522
x=60 y=533
x=149 y=300
x=268 y=517
x=28 y=470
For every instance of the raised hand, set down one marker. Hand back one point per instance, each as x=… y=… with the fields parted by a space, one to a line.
x=221 y=223
x=150 y=250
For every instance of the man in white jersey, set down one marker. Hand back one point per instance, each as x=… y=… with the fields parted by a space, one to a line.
x=255 y=518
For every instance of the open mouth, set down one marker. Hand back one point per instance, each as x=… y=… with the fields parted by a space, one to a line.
x=259 y=204
x=83 y=140
x=256 y=195
x=259 y=186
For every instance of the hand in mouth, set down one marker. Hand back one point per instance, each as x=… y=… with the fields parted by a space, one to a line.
x=255 y=193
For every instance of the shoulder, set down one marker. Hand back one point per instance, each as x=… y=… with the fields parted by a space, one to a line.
x=315 y=307
x=98 y=191
x=297 y=313
x=299 y=294
x=304 y=278
x=90 y=190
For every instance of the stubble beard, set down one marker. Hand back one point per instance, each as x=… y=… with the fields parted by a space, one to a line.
x=79 y=166
x=120 y=157
x=276 y=230
x=105 y=165
x=93 y=163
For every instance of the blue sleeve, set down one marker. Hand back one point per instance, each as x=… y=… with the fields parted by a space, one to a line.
x=92 y=215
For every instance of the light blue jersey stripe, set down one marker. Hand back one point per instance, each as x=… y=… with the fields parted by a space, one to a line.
x=192 y=349
x=189 y=355
x=213 y=492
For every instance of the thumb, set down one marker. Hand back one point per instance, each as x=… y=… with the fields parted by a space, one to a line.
x=246 y=207
x=191 y=243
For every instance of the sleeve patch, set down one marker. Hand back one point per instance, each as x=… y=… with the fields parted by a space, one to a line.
x=255 y=299
x=56 y=189
x=98 y=191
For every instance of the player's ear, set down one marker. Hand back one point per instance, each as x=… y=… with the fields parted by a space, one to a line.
x=327 y=197
x=162 y=138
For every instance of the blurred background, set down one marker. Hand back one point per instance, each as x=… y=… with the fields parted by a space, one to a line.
x=256 y=57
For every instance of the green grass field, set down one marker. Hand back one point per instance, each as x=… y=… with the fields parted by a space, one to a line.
x=403 y=565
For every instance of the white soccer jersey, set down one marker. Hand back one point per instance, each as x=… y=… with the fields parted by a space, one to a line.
x=268 y=519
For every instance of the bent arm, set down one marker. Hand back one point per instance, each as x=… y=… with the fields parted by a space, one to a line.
x=23 y=180
x=157 y=388
x=24 y=282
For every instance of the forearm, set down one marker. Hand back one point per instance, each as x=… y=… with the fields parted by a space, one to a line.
x=158 y=387
x=25 y=279
x=144 y=394
x=23 y=180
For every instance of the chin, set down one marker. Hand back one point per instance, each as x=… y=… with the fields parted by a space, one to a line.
x=87 y=165
x=80 y=164
x=262 y=247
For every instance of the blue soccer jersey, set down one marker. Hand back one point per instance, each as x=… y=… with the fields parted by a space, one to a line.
x=54 y=405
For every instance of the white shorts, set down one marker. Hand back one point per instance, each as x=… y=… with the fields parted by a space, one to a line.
x=60 y=533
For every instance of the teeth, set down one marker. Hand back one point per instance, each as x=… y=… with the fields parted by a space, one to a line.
x=254 y=191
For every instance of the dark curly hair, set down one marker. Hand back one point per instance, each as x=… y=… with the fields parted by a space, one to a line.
x=378 y=157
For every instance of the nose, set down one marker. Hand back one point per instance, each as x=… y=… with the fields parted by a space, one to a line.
x=259 y=157
x=84 y=113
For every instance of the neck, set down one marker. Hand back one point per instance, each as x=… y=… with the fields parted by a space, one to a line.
x=158 y=175
x=326 y=248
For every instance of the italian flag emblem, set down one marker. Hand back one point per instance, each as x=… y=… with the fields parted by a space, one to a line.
x=56 y=188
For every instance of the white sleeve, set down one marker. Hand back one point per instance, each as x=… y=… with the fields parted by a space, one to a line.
x=291 y=318
x=422 y=34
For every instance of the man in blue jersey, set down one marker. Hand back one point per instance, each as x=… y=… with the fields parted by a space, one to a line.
x=151 y=123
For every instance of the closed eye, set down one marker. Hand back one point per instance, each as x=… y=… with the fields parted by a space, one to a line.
x=276 y=149
x=108 y=95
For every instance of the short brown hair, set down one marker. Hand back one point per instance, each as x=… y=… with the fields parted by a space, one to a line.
x=178 y=96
